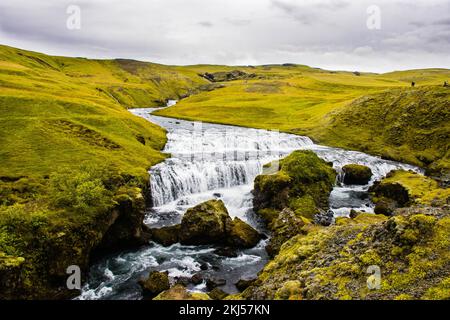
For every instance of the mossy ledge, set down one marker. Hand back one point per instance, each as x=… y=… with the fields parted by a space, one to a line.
x=410 y=248
x=37 y=247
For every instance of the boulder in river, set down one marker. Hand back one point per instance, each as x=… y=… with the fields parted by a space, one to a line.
x=156 y=283
x=208 y=223
x=242 y=235
x=356 y=174
x=166 y=235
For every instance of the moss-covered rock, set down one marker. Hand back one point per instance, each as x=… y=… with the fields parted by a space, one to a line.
x=284 y=227
x=303 y=184
x=156 y=283
x=166 y=235
x=410 y=248
x=208 y=223
x=242 y=235
x=179 y=292
x=292 y=197
x=405 y=188
x=356 y=174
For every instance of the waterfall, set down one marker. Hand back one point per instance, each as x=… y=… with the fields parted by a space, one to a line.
x=206 y=158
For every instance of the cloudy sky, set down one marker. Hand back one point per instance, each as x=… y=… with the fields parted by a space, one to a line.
x=331 y=34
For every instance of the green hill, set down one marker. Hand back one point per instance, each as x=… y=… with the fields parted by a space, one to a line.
x=351 y=110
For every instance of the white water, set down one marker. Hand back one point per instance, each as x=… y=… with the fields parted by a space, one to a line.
x=216 y=161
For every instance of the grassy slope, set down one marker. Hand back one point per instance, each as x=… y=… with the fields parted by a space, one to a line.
x=61 y=111
x=69 y=153
x=317 y=103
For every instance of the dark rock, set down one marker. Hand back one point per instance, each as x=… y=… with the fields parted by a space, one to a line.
x=226 y=252
x=208 y=223
x=141 y=139
x=197 y=278
x=242 y=235
x=204 y=267
x=156 y=283
x=166 y=235
x=353 y=214
x=324 y=218
x=356 y=174
x=385 y=206
x=212 y=283
x=228 y=76
x=393 y=191
x=243 y=284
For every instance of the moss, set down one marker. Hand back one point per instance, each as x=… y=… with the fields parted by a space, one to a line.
x=304 y=206
x=411 y=249
x=242 y=235
x=404 y=296
x=302 y=184
x=291 y=290
x=439 y=292
x=155 y=283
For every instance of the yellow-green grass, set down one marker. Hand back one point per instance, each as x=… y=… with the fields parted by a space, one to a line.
x=319 y=104
x=57 y=111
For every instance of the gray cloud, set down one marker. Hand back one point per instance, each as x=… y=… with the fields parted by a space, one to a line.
x=322 y=33
x=206 y=24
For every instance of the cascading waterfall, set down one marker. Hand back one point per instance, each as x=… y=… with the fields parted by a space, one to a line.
x=216 y=161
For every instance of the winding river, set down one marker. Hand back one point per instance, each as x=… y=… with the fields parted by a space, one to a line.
x=216 y=161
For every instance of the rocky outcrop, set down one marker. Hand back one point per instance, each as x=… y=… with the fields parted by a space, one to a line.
x=410 y=248
x=156 y=283
x=388 y=195
x=208 y=223
x=293 y=196
x=40 y=272
x=285 y=226
x=303 y=184
x=228 y=76
x=356 y=174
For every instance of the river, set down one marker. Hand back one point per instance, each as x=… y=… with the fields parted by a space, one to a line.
x=211 y=161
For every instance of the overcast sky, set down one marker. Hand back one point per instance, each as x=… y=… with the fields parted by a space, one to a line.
x=331 y=34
